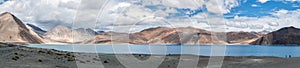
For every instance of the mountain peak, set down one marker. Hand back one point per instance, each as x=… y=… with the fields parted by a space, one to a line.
x=287 y=28
x=7 y=16
x=14 y=30
x=6 y=13
x=291 y=27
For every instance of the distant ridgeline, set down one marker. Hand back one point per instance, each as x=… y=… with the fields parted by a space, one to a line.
x=13 y=30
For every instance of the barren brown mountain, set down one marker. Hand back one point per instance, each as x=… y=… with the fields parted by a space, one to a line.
x=183 y=35
x=65 y=34
x=241 y=37
x=160 y=35
x=284 y=36
x=13 y=30
x=109 y=38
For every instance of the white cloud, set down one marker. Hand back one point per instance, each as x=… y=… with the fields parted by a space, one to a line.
x=262 y=1
x=281 y=12
x=120 y=5
x=221 y=6
x=119 y=14
x=41 y=12
x=192 y=4
x=283 y=18
x=87 y=13
x=254 y=5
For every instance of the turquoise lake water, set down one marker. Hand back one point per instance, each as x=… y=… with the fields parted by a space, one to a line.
x=203 y=50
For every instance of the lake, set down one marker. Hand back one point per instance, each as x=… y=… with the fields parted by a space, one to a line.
x=203 y=50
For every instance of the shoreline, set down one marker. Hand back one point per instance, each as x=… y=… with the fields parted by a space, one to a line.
x=149 y=54
x=232 y=50
x=26 y=57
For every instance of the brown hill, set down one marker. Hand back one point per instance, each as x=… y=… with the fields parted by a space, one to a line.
x=13 y=30
x=284 y=36
x=65 y=34
x=109 y=38
x=241 y=37
x=183 y=35
x=160 y=35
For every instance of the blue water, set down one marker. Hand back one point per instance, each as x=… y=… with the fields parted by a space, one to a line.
x=204 y=50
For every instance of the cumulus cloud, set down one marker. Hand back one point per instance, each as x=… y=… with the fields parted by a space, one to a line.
x=192 y=4
x=279 y=19
x=221 y=6
x=98 y=14
x=44 y=13
x=117 y=15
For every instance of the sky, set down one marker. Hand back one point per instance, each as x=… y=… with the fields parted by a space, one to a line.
x=136 y=15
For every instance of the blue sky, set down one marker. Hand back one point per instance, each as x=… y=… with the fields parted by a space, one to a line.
x=253 y=9
x=249 y=8
x=2 y=1
x=261 y=9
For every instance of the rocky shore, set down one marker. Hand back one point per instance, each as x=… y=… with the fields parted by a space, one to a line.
x=13 y=56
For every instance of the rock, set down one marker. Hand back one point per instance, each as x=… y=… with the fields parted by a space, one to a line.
x=105 y=61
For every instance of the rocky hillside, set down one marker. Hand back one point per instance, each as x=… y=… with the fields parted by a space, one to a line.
x=164 y=35
x=65 y=34
x=160 y=35
x=183 y=35
x=109 y=38
x=284 y=36
x=36 y=29
x=13 y=30
x=241 y=37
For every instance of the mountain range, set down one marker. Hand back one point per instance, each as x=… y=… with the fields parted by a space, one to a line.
x=13 y=30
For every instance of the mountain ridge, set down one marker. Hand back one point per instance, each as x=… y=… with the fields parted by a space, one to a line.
x=65 y=34
x=284 y=36
x=38 y=30
x=166 y=35
x=13 y=30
